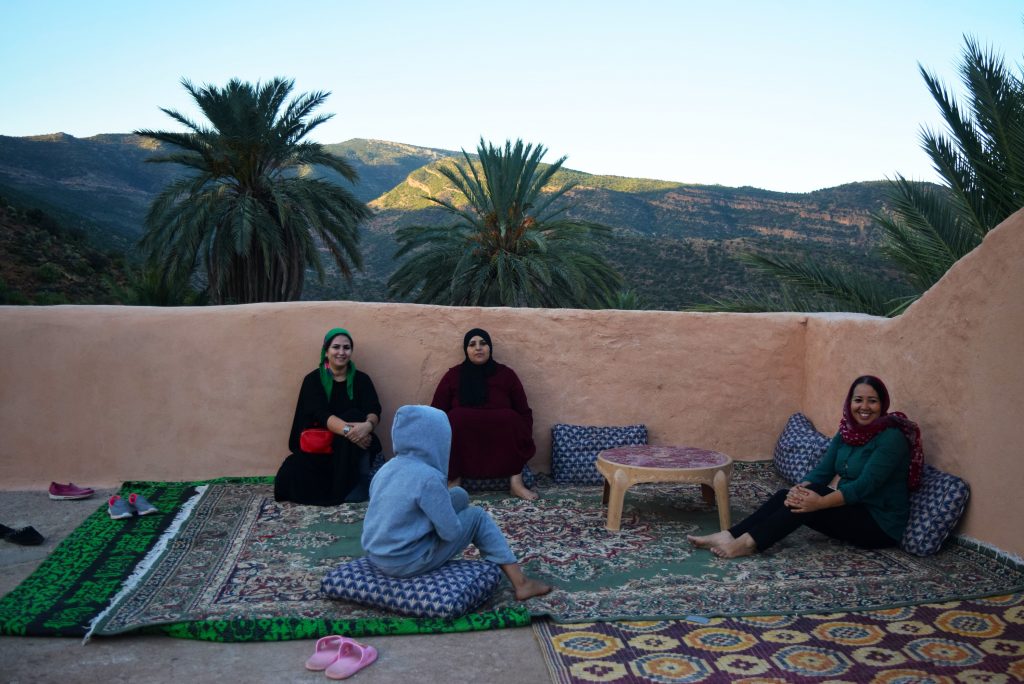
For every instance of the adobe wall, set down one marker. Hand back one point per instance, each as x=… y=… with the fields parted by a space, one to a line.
x=954 y=362
x=99 y=395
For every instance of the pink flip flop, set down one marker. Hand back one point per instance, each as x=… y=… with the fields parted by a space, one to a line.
x=327 y=651
x=352 y=657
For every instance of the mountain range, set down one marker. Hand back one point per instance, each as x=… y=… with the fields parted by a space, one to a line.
x=674 y=243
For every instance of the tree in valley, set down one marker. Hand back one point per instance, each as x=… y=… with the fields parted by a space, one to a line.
x=251 y=216
x=626 y=300
x=147 y=285
x=511 y=243
x=926 y=229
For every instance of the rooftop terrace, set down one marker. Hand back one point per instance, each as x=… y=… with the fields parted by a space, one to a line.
x=103 y=394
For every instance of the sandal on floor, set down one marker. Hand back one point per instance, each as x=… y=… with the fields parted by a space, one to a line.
x=26 y=536
x=327 y=651
x=352 y=657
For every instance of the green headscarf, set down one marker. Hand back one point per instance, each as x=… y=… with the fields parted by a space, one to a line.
x=326 y=377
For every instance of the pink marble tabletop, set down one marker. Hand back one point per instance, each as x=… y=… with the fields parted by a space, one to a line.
x=651 y=456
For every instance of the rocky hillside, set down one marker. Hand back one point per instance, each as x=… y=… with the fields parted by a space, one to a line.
x=44 y=259
x=673 y=242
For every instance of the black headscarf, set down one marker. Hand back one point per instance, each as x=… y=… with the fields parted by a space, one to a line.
x=473 y=378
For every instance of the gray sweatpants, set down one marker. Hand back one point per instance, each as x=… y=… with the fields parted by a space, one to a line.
x=478 y=529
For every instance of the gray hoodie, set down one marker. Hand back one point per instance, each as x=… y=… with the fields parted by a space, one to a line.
x=410 y=506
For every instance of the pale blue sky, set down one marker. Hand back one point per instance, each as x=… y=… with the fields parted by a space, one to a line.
x=785 y=95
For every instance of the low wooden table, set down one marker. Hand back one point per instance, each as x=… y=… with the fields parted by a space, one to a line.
x=624 y=467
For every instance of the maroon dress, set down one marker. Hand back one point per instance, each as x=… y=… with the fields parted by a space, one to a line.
x=492 y=440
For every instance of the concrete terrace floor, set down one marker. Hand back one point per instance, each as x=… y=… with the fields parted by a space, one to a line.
x=497 y=656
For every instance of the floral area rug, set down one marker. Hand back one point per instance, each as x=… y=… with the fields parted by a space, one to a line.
x=647 y=571
x=229 y=563
x=979 y=640
x=226 y=564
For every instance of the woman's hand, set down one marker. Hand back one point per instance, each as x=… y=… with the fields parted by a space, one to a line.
x=803 y=500
x=360 y=434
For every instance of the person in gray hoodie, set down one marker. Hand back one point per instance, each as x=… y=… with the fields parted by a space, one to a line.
x=414 y=523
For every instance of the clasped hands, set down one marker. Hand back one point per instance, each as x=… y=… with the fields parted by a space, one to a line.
x=360 y=434
x=803 y=500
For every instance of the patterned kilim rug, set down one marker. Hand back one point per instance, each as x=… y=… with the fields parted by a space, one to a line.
x=980 y=640
x=232 y=564
x=210 y=567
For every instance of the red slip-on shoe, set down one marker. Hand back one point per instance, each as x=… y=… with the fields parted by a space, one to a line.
x=352 y=658
x=69 y=491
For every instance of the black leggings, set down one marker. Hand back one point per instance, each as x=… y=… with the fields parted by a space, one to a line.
x=773 y=521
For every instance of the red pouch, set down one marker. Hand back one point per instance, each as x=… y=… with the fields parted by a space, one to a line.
x=316 y=441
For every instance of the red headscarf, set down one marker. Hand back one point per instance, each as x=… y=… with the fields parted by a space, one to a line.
x=855 y=434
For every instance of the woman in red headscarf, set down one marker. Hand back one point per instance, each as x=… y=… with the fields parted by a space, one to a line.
x=859 y=491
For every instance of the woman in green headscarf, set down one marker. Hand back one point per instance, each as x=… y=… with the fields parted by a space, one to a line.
x=343 y=400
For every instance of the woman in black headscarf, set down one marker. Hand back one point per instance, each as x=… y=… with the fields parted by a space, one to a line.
x=492 y=424
x=332 y=438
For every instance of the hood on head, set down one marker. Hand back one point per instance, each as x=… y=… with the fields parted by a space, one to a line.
x=422 y=433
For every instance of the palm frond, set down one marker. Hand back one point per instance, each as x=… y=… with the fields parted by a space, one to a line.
x=859 y=294
x=509 y=245
x=245 y=221
x=980 y=159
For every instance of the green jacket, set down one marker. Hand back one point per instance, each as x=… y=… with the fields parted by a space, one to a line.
x=873 y=474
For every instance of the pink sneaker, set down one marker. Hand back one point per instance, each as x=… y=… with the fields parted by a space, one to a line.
x=69 y=491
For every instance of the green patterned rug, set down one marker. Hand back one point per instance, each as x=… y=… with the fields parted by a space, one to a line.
x=211 y=574
x=232 y=564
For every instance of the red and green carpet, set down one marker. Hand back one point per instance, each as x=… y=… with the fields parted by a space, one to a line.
x=226 y=562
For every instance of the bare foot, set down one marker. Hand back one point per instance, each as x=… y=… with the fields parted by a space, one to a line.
x=737 y=548
x=525 y=587
x=516 y=487
x=530 y=587
x=523 y=493
x=710 y=540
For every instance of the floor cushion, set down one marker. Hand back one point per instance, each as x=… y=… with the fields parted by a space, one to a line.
x=454 y=589
x=574 y=449
x=495 y=484
x=799 y=449
x=935 y=509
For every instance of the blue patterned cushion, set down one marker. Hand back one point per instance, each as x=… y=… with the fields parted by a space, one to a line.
x=497 y=483
x=799 y=449
x=574 y=450
x=454 y=589
x=935 y=509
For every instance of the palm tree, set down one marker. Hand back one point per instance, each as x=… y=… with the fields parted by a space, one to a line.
x=626 y=300
x=251 y=217
x=980 y=160
x=147 y=285
x=510 y=245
